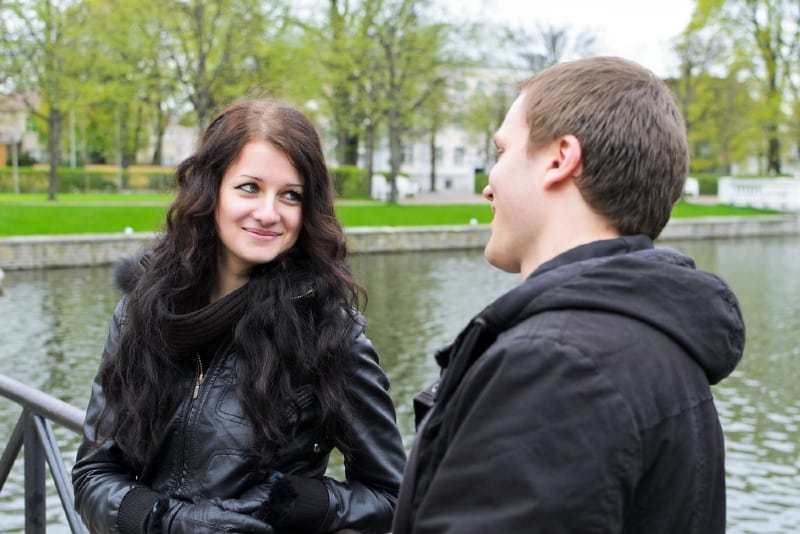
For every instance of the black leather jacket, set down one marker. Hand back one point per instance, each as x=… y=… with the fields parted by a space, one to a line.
x=204 y=450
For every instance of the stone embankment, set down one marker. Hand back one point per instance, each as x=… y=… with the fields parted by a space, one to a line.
x=37 y=252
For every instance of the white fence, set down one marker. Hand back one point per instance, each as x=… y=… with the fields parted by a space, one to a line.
x=767 y=193
x=691 y=187
x=381 y=187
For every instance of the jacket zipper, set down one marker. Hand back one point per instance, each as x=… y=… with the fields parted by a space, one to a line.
x=183 y=459
x=200 y=377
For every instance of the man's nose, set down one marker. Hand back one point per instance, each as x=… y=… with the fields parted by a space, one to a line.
x=487 y=193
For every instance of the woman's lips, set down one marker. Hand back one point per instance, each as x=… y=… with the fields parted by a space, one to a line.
x=256 y=232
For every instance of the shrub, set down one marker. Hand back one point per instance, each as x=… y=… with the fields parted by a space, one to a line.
x=481 y=179
x=707 y=182
x=350 y=182
x=69 y=180
x=24 y=159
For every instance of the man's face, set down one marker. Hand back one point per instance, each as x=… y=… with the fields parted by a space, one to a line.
x=514 y=192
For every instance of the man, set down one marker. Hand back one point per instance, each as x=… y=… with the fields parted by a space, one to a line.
x=580 y=400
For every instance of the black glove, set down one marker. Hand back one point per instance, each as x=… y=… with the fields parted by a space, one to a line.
x=173 y=516
x=271 y=501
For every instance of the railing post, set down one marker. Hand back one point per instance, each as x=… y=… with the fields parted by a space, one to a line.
x=58 y=470
x=35 y=511
x=11 y=451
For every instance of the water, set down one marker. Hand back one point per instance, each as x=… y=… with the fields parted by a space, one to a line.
x=53 y=325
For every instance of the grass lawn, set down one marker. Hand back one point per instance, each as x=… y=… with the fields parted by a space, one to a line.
x=683 y=210
x=110 y=213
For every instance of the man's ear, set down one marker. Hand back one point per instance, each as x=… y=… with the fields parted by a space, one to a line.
x=566 y=161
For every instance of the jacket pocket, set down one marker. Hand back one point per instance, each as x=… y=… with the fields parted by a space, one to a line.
x=229 y=472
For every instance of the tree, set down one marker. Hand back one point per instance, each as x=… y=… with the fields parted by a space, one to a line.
x=45 y=62
x=764 y=35
x=537 y=48
x=413 y=70
x=435 y=115
x=134 y=76
x=715 y=100
x=521 y=53
x=340 y=59
x=486 y=105
x=383 y=62
x=214 y=48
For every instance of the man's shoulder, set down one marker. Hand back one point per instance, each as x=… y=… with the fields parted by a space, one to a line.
x=532 y=341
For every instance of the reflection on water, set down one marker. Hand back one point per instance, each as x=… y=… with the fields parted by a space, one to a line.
x=760 y=402
x=53 y=325
x=418 y=303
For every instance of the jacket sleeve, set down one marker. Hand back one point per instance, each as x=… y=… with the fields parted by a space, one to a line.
x=537 y=439
x=107 y=495
x=366 y=500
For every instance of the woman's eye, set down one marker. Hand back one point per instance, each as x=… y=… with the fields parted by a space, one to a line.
x=248 y=188
x=294 y=196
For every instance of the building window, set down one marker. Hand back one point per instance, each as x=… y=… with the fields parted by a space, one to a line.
x=408 y=155
x=458 y=155
x=439 y=153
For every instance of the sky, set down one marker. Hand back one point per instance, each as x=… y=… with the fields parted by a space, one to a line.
x=640 y=30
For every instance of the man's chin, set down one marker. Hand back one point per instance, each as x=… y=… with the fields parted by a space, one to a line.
x=496 y=260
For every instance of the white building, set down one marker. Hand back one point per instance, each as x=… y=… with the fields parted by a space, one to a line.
x=459 y=153
x=457 y=158
x=178 y=144
x=16 y=134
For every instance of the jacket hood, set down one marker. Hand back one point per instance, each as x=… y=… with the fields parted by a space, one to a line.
x=659 y=287
x=127 y=272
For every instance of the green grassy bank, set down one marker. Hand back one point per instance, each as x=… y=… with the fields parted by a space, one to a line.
x=111 y=213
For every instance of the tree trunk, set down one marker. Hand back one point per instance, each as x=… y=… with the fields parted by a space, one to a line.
x=160 y=130
x=351 y=150
x=124 y=147
x=432 y=146
x=132 y=146
x=203 y=105
x=54 y=147
x=341 y=145
x=395 y=154
x=773 y=151
x=370 y=147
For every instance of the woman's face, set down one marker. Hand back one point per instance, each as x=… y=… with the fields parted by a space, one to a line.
x=259 y=213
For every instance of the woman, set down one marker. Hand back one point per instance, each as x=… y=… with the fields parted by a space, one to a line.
x=235 y=361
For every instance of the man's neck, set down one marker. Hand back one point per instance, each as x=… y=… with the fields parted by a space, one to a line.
x=569 y=229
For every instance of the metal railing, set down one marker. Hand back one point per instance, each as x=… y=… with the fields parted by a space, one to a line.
x=33 y=429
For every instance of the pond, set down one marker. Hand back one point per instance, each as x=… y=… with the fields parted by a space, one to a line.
x=53 y=324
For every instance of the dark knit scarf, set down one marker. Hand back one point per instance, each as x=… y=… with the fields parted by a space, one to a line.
x=187 y=333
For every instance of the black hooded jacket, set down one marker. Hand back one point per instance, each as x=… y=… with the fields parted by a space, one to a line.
x=580 y=402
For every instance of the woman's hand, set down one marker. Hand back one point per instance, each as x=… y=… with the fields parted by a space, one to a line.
x=173 y=516
x=271 y=501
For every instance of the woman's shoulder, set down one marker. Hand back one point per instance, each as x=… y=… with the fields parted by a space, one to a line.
x=128 y=271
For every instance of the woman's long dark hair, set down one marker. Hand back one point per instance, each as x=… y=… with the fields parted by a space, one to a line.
x=287 y=334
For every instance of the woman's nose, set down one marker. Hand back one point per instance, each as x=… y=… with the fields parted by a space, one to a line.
x=266 y=212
